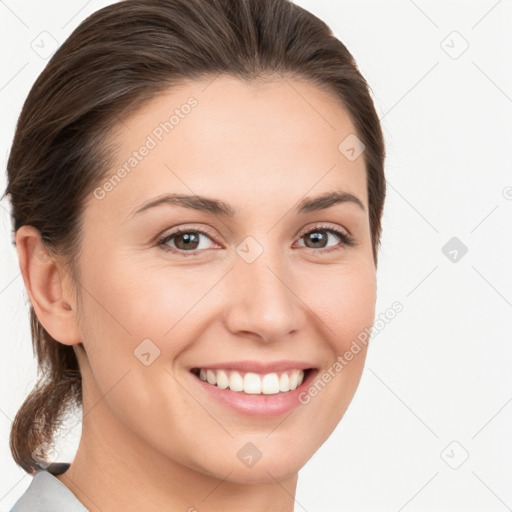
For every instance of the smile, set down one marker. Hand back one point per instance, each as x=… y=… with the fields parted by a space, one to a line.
x=253 y=389
x=250 y=382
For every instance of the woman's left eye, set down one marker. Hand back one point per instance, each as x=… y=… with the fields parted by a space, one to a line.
x=320 y=235
x=189 y=241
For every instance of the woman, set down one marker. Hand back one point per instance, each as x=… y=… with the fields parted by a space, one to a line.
x=197 y=190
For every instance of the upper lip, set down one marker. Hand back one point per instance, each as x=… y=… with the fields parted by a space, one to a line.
x=257 y=366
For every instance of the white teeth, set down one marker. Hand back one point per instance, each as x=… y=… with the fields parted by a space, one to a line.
x=210 y=377
x=253 y=383
x=222 y=379
x=236 y=383
x=270 y=384
x=293 y=380
x=284 y=382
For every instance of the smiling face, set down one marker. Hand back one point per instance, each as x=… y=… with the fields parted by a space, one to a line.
x=258 y=275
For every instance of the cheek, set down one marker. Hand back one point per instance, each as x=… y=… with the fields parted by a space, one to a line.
x=345 y=301
x=346 y=307
x=127 y=303
x=128 y=297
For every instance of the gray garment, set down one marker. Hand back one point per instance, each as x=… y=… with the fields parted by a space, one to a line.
x=46 y=493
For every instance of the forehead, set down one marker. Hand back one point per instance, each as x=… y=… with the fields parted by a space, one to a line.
x=241 y=142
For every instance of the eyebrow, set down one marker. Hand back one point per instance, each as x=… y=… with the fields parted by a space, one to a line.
x=218 y=207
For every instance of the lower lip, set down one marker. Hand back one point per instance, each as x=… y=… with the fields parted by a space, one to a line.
x=262 y=406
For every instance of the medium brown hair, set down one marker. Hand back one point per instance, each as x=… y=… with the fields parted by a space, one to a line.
x=116 y=60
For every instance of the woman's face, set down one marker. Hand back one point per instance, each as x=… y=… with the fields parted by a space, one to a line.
x=269 y=289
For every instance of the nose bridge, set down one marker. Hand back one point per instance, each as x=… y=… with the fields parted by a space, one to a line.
x=265 y=303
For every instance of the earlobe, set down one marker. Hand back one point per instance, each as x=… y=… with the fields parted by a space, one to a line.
x=48 y=287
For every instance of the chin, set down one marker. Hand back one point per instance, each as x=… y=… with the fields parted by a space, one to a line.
x=251 y=465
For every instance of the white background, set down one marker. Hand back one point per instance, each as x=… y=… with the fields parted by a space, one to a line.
x=441 y=371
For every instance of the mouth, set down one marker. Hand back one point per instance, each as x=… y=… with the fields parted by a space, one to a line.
x=255 y=394
x=252 y=383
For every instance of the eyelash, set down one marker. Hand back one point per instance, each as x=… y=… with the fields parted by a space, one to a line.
x=346 y=239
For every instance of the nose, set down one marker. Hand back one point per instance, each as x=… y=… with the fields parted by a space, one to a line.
x=263 y=302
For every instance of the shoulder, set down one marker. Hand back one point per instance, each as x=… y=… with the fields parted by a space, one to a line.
x=48 y=493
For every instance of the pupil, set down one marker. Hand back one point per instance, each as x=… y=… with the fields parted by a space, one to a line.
x=188 y=239
x=317 y=237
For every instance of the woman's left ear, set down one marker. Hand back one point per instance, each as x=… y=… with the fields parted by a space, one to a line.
x=49 y=287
